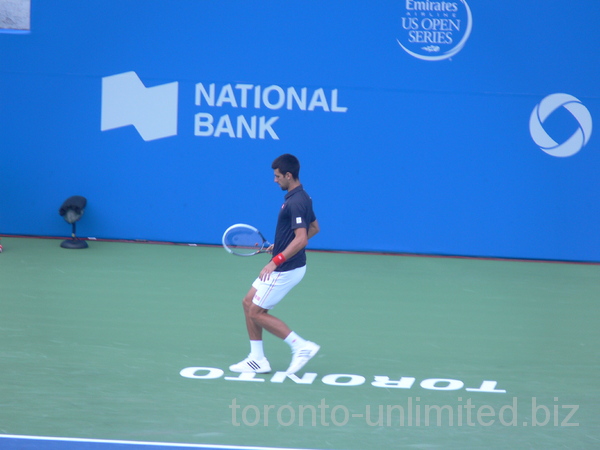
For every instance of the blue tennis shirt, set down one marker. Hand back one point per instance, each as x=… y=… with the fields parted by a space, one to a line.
x=296 y=212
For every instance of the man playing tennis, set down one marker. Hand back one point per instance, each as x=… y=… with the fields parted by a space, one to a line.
x=296 y=224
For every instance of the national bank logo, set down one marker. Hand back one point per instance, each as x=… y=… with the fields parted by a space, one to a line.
x=544 y=110
x=435 y=30
x=151 y=110
x=225 y=110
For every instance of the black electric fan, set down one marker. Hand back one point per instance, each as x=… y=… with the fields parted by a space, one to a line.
x=72 y=210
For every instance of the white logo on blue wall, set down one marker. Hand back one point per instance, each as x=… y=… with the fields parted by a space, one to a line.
x=152 y=111
x=544 y=109
x=230 y=110
x=435 y=30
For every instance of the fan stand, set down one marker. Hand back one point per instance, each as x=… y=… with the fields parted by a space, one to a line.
x=74 y=242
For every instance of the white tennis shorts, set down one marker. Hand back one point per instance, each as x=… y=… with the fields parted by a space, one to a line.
x=272 y=291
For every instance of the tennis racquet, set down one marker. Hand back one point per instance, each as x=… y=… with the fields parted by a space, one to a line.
x=244 y=240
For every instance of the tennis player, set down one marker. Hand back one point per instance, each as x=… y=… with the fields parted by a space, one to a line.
x=296 y=224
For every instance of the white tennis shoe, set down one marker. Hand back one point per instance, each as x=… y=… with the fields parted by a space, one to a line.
x=301 y=356
x=249 y=365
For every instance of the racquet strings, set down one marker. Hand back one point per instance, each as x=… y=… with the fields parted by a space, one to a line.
x=243 y=241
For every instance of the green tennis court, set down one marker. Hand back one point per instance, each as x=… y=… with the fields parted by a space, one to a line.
x=130 y=341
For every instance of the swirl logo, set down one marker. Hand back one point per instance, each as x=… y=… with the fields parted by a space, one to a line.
x=435 y=30
x=544 y=109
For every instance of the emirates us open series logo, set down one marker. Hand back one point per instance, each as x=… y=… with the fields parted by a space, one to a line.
x=435 y=30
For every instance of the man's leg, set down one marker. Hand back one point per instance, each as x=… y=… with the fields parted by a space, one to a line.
x=254 y=330
x=258 y=318
x=256 y=361
x=302 y=350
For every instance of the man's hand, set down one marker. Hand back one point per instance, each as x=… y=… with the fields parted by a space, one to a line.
x=265 y=274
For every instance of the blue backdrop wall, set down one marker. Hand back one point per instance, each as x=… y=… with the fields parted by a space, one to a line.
x=446 y=127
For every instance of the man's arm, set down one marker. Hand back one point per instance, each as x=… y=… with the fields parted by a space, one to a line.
x=301 y=237
x=298 y=243
x=313 y=229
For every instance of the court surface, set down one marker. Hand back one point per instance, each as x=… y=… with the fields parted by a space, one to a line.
x=126 y=343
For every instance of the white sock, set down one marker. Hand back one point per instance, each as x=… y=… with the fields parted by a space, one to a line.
x=256 y=350
x=294 y=341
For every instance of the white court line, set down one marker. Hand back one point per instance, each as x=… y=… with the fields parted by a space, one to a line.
x=157 y=444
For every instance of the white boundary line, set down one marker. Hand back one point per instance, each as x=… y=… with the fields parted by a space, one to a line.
x=157 y=444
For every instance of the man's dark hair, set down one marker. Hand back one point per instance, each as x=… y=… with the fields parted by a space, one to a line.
x=287 y=163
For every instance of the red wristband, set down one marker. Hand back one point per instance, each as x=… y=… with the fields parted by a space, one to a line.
x=279 y=259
